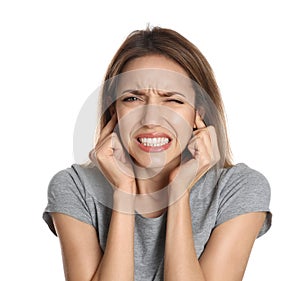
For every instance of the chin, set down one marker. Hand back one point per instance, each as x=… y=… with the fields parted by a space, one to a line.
x=151 y=162
x=156 y=161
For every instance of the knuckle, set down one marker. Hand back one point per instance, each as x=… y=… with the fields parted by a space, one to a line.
x=206 y=161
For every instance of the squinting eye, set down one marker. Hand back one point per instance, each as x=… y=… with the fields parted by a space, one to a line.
x=176 y=101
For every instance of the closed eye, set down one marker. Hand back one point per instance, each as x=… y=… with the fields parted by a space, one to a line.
x=176 y=101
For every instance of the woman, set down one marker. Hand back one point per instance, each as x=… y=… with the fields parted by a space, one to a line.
x=161 y=199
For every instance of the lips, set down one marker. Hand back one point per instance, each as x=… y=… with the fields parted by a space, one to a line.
x=153 y=142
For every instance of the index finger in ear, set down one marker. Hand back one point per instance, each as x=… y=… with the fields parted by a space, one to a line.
x=109 y=127
x=199 y=122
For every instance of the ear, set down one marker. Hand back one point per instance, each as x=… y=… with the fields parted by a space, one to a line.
x=112 y=110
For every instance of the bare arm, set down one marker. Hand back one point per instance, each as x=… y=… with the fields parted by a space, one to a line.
x=118 y=260
x=228 y=250
x=82 y=257
x=80 y=248
x=181 y=261
x=226 y=254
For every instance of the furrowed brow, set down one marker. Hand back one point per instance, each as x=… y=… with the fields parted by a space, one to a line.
x=161 y=93
x=170 y=94
x=132 y=91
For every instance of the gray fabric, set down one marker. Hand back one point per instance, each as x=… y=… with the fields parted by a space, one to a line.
x=214 y=200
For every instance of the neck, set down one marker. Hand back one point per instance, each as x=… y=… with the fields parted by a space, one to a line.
x=152 y=188
x=151 y=180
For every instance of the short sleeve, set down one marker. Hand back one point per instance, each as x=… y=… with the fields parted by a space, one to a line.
x=66 y=195
x=244 y=191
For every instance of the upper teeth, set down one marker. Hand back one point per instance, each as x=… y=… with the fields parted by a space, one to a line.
x=154 y=141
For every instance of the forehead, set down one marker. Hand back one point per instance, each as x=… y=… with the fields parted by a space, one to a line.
x=154 y=61
x=161 y=80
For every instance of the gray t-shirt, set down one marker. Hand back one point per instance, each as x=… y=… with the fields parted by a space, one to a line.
x=83 y=193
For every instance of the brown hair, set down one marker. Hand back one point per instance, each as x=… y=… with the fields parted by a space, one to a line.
x=171 y=44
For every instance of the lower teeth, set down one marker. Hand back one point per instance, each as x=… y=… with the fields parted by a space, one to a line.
x=146 y=144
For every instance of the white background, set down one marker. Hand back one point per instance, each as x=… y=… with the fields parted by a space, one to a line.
x=53 y=56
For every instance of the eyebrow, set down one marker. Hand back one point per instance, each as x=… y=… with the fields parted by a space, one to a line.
x=161 y=93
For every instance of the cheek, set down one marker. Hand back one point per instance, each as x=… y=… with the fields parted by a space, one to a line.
x=121 y=127
x=128 y=121
x=178 y=122
x=184 y=132
x=182 y=122
x=124 y=128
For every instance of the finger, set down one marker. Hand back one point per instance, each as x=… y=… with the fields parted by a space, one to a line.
x=110 y=147
x=105 y=147
x=118 y=155
x=117 y=147
x=104 y=150
x=202 y=160
x=201 y=138
x=208 y=136
x=199 y=122
x=109 y=127
x=200 y=145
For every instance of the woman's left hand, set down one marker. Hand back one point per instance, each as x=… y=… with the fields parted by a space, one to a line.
x=203 y=147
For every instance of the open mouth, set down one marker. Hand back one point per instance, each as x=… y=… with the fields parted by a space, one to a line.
x=153 y=142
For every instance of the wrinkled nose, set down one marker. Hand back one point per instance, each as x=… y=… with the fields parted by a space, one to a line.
x=152 y=115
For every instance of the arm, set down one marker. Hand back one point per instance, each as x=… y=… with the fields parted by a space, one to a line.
x=227 y=251
x=118 y=260
x=83 y=259
x=79 y=245
x=82 y=256
x=181 y=262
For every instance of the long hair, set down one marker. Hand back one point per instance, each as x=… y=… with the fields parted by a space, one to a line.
x=171 y=44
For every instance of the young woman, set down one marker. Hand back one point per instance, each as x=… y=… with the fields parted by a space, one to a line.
x=161 y=198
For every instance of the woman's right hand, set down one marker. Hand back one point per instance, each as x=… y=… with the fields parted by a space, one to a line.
x=111 y=159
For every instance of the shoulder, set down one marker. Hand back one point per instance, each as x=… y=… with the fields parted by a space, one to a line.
x=67 y=180
x=241 y=176
x=76 y=191
x=243 y=190
x=83 y=182
x=242 y=169
x=70 y=186
x=219 y=183
x=76 y=176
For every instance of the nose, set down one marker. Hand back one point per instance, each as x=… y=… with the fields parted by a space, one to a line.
x=152 y=115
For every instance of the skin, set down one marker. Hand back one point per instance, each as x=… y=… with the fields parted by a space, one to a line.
x=152 y=111
x=228 y=249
